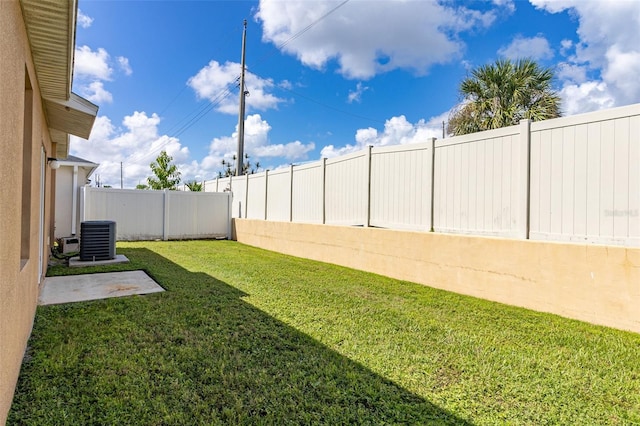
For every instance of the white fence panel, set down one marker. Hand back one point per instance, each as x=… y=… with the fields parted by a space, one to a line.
x=279 y=195
x=568 y=179
x=139 y=214
x=257 y=193
x=196 y=215
x=153 y=215
x=477 y=179
x=237 y=186
x=346 y=189
x=585 y=179
x=401 y=186
x=213 y=185
x=308 y=193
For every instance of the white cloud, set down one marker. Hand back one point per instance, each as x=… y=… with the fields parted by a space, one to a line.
x=96 y=93
x=285 y=84
x=356 y=95
x=218 y=83
x=256 y=144
x=565 y=46
x=136 y=145
x=571 y=73
x=292 y=151
x=370 y=37
x=92 y=69
x=586 y=97
x=124 y=65
x=527 y=47
x=83 y=20
x=92 y=64
x=507 y=4
x=397 y=131
x=608 y=52
x=623 y=69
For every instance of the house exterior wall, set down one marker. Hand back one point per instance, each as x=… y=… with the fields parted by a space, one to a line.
x=64 y=201
x=20 y=270
x=597 y=284
x=64 y=213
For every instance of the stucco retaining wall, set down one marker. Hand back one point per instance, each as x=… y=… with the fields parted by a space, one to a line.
x=597 y=284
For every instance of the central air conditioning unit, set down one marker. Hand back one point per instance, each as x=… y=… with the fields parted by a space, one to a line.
x=97 y=240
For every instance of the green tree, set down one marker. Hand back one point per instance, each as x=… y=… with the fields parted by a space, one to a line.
x=166 y=173
x=142 y=186
x=194 y=186
x=503 y=93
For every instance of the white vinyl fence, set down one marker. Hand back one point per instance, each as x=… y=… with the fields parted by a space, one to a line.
x=159 y=215
x=567 y=179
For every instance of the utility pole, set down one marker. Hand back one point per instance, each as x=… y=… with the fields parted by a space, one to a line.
x=239 y=163
x=121 y=175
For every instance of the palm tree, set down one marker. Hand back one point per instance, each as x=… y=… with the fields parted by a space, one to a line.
x=502 y=94
x=229 y=168
x=194 y=186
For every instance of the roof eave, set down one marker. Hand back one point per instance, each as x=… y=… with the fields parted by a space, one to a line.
x=74 y=116
x=51 y=28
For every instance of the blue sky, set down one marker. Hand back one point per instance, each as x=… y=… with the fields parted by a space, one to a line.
x=325 y=78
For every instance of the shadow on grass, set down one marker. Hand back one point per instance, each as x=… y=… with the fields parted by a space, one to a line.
x=196 y=354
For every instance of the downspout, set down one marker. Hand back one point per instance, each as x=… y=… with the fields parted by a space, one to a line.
x=74 y=200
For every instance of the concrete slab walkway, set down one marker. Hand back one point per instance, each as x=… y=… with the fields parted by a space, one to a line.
x=75 y=262
x=77 y=288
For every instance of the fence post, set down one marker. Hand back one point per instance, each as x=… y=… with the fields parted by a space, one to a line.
x=524 y=184
x=291 y=193
x=431 y=163
x=83 y=203
x=246 y=197
x=230 y=216
x=324 y=190
x=165 y=221
x=367 y=222
x=266 y=193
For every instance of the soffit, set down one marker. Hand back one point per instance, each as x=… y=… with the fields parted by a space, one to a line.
x=74 y=116
x=61 y=139
x=51 y=31
x=51 y=28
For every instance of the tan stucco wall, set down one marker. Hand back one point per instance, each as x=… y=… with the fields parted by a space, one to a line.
x=597 y=284
x=18 y=286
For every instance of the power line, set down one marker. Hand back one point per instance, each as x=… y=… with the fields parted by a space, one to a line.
x=197 y=114
x=210 y=105
x=202 y=111
x=332 y=107
x=224 y=41
x=299 y=33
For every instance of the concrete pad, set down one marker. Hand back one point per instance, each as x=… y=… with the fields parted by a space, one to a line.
x=75 y=262
x=77 y=288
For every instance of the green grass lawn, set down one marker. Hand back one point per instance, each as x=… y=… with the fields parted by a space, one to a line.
x=247 y=336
